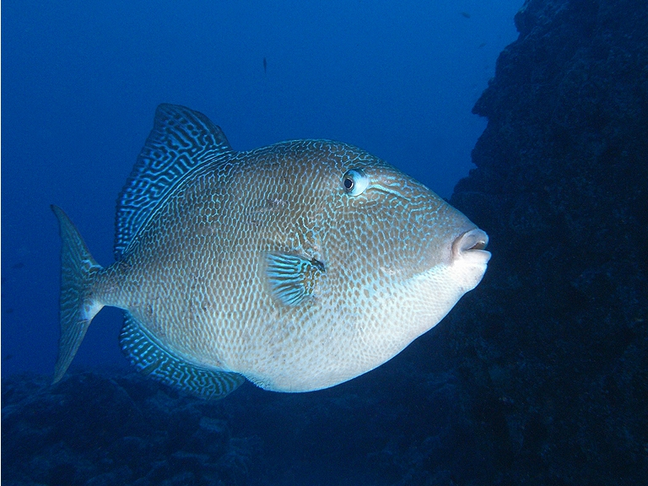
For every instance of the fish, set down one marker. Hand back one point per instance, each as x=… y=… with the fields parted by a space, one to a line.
x=296 y=266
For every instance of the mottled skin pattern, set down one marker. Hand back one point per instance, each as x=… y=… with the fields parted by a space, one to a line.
x=195 y=275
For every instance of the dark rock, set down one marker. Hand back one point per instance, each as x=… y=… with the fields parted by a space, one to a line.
x=401 y=425
x=188 y=461
x=183 y=479
x=555 y=350
x=121 y=475
x=89 y=430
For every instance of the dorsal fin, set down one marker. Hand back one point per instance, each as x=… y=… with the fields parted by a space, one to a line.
x=181 y=140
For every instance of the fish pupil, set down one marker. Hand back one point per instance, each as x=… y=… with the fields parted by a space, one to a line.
x=348 y=183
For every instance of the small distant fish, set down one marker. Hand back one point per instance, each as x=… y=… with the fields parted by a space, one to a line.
x=265 y=65
x=298 y=266
x=466 y=14
x=18 y=266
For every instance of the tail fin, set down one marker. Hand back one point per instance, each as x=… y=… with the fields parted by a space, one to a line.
x=78 y=306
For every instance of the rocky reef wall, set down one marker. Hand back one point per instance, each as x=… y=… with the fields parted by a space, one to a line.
x=554 y=343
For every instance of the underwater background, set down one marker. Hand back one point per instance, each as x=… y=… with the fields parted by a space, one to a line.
x=82 y=80
x=539 y=376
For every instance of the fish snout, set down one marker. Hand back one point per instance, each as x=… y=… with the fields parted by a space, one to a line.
x=470 y=247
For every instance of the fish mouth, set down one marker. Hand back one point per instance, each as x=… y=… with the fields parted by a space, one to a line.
x=471 y=246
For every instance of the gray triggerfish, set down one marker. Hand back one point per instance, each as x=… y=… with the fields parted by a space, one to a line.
x=297 y=266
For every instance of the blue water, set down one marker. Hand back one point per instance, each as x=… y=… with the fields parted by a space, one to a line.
x=81 y=81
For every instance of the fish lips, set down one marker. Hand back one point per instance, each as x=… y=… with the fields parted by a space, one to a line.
x=470 y=247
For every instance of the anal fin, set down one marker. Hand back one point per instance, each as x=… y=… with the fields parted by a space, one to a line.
x=152 y=359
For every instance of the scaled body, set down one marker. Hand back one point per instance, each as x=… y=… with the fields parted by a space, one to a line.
x=297 y=266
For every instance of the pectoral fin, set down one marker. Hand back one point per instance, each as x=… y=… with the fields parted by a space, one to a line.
x=293 y=278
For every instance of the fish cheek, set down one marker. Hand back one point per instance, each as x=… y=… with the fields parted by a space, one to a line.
x=381 y=232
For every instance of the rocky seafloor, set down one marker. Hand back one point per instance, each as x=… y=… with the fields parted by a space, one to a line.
x=105 y=428
x=539 y=377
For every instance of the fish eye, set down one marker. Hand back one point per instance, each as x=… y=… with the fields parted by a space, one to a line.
x=355 y=182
